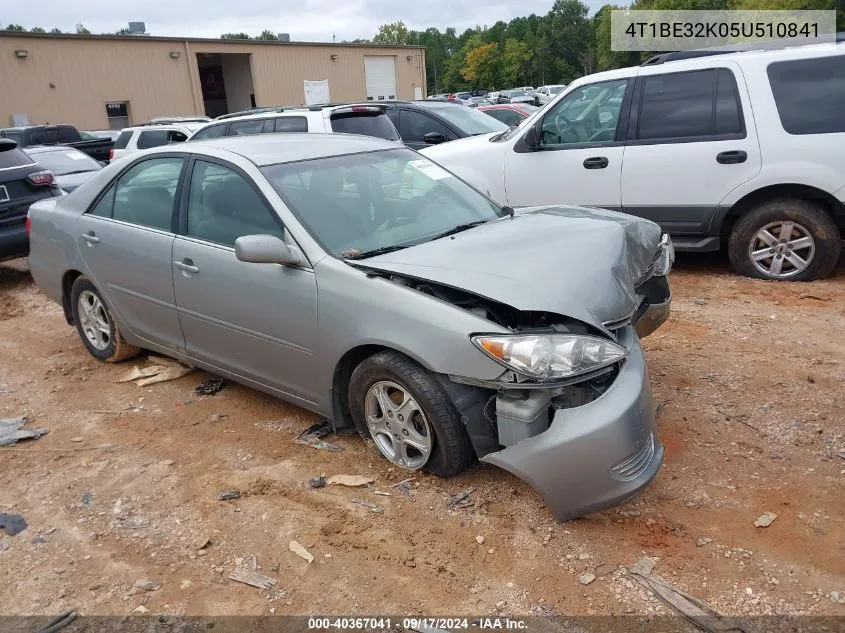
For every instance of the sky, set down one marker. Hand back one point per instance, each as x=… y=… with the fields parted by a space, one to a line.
x=305 y=20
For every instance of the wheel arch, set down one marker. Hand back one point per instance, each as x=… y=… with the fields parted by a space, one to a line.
x=833 y=207
x=68 y=279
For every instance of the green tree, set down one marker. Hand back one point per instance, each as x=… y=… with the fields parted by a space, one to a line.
x=515 y=58
x=395 y=33
x=573 y=34
x=56 y=31
x=235 y=36
x=81 y=30
x=37 y=29
x=15 y=28
x=268 y=35
x=480 y=65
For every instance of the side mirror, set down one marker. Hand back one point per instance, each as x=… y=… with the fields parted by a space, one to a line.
x=265 y=249
x=531 y=138
x=433 y=138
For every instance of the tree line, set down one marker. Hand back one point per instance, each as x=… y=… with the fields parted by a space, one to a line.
x=555 y=48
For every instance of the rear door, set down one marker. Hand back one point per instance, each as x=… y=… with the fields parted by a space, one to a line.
x=19 y=188
x=126 y=241
x=691 y=141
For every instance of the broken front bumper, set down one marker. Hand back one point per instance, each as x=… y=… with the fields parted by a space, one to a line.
x=596 y=455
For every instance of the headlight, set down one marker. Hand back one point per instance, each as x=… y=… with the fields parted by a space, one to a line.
x=552 y=356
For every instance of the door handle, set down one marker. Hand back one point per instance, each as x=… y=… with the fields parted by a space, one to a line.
x=731 y=158
x=187 y=265
x=90 y=238
x=597 y=162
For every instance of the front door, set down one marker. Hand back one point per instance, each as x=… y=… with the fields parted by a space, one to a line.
x=258 y=321
x=690 y=143
x=579 y=158
x=414 y=125
x=126 y=241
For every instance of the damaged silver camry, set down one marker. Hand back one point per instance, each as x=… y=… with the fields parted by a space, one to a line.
x=368 y=284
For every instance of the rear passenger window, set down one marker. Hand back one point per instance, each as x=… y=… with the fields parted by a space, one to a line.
x=694 y=104
x=223 y=206
x=246 y=128
x=67 y=135
x=292 y=124
x=145 y=194
x=214 y=131
x=123 y=140
x=152 y=138
x=810 y=94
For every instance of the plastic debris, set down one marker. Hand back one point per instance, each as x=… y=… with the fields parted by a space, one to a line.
x=252 y=578
x=317 y=482
x=765 y=519
x=368 y=504
x=459 y=499
x=349 y=480
x=210 y=387
x=12 y=523
x=311 y=437
x=163 y=370
x=300 y=551
x=11 y=431
x=228 y=495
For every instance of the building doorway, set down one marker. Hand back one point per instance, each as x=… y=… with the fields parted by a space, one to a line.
x=226 y=82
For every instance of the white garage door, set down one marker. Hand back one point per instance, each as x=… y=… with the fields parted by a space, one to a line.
x=380 y=77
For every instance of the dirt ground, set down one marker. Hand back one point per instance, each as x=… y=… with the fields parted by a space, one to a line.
x=748 y=381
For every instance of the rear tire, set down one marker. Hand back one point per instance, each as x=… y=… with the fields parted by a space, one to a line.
x=785 y=239
x=96 y=325
x=439 y=426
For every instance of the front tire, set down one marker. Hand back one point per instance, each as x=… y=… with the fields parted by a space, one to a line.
x=96 y=325
x=405 y=411
x=785 y=239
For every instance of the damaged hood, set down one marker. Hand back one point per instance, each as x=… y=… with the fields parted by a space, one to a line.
x=576 y=262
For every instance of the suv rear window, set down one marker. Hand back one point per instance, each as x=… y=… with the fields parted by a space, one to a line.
x=810 y=94
x=13 y=157
x=366 y=123
x=123 y=140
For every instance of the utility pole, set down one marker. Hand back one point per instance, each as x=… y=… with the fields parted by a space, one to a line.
x=435 y=78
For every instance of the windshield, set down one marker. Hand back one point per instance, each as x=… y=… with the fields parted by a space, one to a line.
x=66 y=161
x=469 y=120
x=358 y=203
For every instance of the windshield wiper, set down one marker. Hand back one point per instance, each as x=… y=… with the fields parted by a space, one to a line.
x=354 y=254
x=458 y=229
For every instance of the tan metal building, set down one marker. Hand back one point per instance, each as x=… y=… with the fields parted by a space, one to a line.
x=100 y=82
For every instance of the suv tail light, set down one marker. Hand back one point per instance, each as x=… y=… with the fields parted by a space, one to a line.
x=111 y=155
x=41 y=178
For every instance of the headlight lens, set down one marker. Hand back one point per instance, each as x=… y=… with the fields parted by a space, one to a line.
x=552 y=356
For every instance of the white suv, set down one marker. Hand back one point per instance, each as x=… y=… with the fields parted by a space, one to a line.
x=154 y=134
x=368 y=120
x=743 y=148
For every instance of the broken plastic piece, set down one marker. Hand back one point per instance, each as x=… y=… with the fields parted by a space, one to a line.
x=210 y=387
x=300 y=551
x=13 y=523
x=311 y=437
x=350 y=480
x=11 y=431
x=252 y=578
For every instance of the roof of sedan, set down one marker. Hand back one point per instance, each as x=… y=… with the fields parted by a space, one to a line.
x=270 y=149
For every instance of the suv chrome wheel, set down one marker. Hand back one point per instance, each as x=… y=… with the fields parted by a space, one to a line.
x=782 y=249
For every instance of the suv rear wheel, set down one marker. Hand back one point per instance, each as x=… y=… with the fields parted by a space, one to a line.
x=785 y=239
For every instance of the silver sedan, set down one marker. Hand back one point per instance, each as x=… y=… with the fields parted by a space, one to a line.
x=370 y=285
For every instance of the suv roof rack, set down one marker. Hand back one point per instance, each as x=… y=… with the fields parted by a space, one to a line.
x=172 y=120
x=317 y=107
x=256 y=110
x=771 y=45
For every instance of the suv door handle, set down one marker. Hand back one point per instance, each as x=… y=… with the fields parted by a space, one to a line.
x=731 y=158
x=187 y=265
x=597 y=162
x=90 y=238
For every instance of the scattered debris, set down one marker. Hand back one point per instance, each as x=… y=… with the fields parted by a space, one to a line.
x=382 y=494
x=701 y=542
x=765 y=519
x=12 y=523
x=644 y=566
x=457 y=500
x=203 y=543
x=11 y=431
x=584 y=556
x=372 y=506
x=300 y=551
x=479 y=539
x=77 y=438
x=814 y=297
x=251 y=578
x=605 y=569
x=228 y=495
x=210 y=387
x=141 y=609
x=311 y=437
x=349 y=480
x=834 y=596
x=163 y=370
x=317 y=482
x=587 y=578
x=491 y=551
x=4 y=546
x=147 y=585
x=405 y=487
x=658 y=411
x=87 y=498
x=699 y=302
x=629 y=513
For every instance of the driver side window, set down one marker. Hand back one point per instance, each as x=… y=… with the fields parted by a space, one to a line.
x=587 y=115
